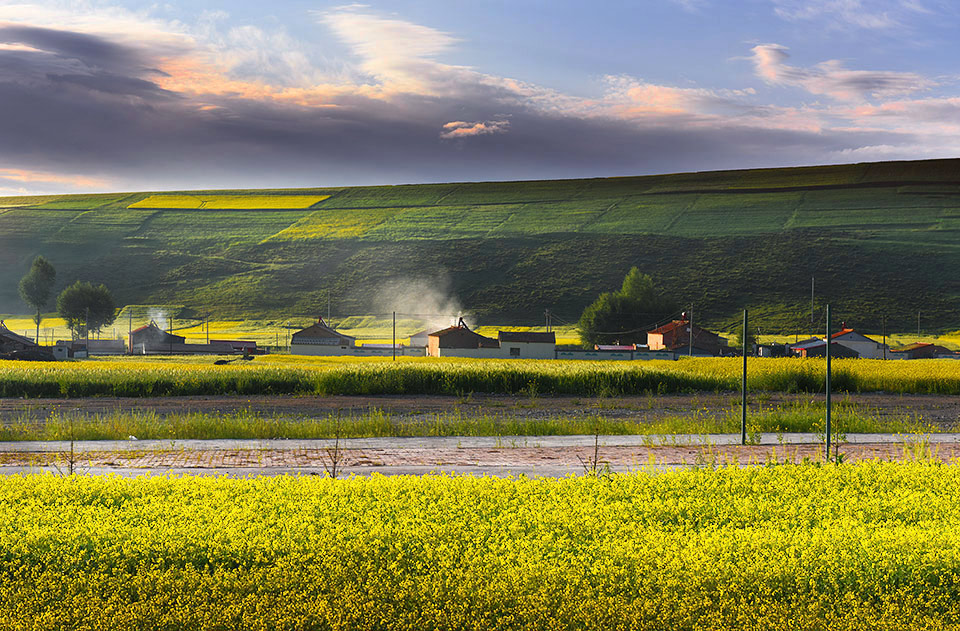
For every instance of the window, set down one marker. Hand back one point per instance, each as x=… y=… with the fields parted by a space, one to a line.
x=514 y=351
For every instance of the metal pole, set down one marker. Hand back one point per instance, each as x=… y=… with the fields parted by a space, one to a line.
x=130 y=329
x=884 y=320
x=394 y=336
x=743 y=393
x=828 y=383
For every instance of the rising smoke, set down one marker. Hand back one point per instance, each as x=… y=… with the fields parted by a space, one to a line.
x=428 y=299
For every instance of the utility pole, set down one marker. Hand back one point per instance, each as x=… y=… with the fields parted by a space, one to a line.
x=208 y=329
x=328 y=305
x=813 y=322
x=546 y=315
x=918 y=325
x=86 y=327
x=130 y=328
x=394 y=336
x=690 y=325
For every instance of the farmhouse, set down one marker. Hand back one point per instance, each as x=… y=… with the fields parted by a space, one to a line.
x=863 y=345
x=676 y=336
x=815 y=347
x=320 y=339
x=151 y=338
x=527 y=344
x=420 y=340
x=922 y=350
x=460 y=341
x=10 y=341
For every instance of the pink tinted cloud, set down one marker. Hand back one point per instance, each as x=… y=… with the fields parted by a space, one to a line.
x=463 y=129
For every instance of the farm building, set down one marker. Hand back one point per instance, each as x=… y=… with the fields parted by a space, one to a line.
x=10 y=341
x=69 y=349
x=815 y=347
x=527 y=344
x=152 y=338
x=320 y=339
x=460 y=341
x=863 y=345
x=420 y=339
x=676 y=336
x=922 y=350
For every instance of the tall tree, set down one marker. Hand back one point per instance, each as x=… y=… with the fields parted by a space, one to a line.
x=37 y=286
x=86 y=307
x=624 y=316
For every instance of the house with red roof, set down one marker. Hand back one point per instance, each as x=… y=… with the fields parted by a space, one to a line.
x=865 y=347
x=678 y=336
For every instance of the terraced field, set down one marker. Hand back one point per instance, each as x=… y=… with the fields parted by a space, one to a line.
x=872 y=235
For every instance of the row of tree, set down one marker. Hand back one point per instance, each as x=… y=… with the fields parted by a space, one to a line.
x=83 y=306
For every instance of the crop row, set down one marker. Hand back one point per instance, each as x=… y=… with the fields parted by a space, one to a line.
x=800 y=547
x=290 y=375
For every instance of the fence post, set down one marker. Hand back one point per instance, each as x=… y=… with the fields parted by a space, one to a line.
x=743 y=393
x=828 y=383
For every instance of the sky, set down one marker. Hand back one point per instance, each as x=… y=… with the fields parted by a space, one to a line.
x=126 y=96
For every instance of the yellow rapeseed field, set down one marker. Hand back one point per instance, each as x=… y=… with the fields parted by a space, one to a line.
x=869 y=546
x=229 y=202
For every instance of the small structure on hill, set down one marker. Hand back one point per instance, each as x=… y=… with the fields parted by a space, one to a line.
x=679 y=336
x=460 y=341
x=320 y=339
x=530 y=345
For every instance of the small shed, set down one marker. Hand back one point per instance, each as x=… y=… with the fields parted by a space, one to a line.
x=320 y=339
x=530 y=345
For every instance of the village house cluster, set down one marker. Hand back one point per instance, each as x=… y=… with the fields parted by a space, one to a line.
x=670 y=341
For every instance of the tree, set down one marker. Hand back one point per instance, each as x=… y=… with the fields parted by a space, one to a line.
x=626 y=315
x=35 y=288
x=85 y=307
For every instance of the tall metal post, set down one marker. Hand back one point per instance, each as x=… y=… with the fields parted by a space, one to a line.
x=828 y=384
x=743 y=393
x=130 y=329
x=394 y=336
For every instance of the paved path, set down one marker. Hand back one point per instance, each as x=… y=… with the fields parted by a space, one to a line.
x=498 y=456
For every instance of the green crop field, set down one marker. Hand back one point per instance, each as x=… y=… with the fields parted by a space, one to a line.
x=804 y=547
x=881 y=239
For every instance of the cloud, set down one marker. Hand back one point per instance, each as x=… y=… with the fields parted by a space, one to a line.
x=462 y=129
x=39 y=177
x=878 y=14
x=830 y=78
x=159 y=106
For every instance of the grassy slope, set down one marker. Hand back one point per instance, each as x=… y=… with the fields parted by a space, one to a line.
x=881 y=239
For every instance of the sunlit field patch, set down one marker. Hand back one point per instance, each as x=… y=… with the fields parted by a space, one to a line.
x=229 y=202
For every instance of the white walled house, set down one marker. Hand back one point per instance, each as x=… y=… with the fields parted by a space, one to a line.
x=320 y=339
x=863 y=345
x=527 y=345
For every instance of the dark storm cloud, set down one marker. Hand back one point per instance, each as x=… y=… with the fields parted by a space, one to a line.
x=81 y=104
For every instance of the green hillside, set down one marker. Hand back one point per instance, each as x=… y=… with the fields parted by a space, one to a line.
x=881 y=239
